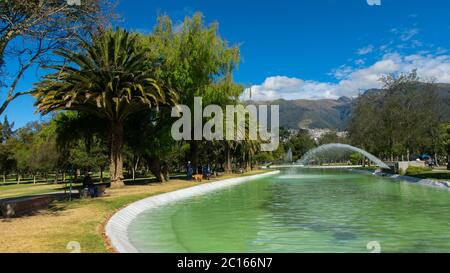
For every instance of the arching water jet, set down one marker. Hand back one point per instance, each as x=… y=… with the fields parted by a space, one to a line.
x=338 y=147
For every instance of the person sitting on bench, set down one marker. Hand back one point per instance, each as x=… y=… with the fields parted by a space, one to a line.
x=89 y=185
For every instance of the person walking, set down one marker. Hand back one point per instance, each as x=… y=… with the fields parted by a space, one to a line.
x=189 y=170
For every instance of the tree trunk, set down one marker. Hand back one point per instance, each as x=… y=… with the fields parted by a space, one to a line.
x=229 y=168
x=134 y=168
x=115 y=155
x=248 y=162
x=165 y=171
x=155 y=167
x=4 y=178
x=248 y=166
x=193 y=151
x=101 y=174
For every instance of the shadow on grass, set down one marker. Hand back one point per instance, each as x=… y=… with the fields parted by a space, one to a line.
x=150 y=181
x=54 y=208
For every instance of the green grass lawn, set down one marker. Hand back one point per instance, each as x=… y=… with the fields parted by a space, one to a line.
x=367 y=168
x=10 y=191
x=80 y=220
x=23 y=189
x=435 y=175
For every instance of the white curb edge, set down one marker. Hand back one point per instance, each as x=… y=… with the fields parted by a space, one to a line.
x=117 y=227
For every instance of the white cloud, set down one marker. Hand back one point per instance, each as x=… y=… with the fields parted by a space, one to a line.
x=342 y=72
x=360 y=62
x=352 y=81
x=408 y=34
x=441 y=50
x=366 y=50
x=289 y=88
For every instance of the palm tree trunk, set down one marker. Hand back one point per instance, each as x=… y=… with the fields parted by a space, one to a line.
x=248 y=163
x=115 y=155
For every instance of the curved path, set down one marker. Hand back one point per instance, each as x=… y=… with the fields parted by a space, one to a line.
x=117 y=226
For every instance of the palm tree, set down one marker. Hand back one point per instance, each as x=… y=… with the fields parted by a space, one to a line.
x=249 y=148
x=111 y=77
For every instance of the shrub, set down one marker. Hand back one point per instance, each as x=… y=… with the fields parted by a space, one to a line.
x=417 y=170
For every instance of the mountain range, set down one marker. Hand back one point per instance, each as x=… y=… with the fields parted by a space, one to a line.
x=328 y=113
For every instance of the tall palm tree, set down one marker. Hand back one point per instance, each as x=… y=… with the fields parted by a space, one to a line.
x=111 y=77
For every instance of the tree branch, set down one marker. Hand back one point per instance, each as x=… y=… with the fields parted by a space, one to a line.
x=8 y=100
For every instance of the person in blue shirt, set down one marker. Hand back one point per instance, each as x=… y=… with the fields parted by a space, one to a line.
x=206 y=172
x=189 y=170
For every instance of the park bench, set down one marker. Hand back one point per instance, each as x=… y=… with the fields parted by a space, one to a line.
x=13 y=207
x=101 y=190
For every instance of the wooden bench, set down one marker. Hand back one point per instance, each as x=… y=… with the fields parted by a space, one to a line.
x=101 y=190
x=14 y=207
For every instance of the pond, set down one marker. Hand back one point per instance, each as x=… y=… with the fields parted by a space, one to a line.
x=298 y=211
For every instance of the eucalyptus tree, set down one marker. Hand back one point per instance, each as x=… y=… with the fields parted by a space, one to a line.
x=111 y=77
x=300 y=144
x=446 y=140
x=399 y=120
x=6 y=130
x=443 y=142
x=21 y=145
x=365 y=126
x=7 y=161
x=194 y=57
x=43 y=156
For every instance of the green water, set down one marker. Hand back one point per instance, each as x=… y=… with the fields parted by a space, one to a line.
x=302 y=211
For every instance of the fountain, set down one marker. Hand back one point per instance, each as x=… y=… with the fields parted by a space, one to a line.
x=339 y=148
x=288 y=156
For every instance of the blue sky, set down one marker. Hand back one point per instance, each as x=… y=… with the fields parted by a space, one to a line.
x=308 y=49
